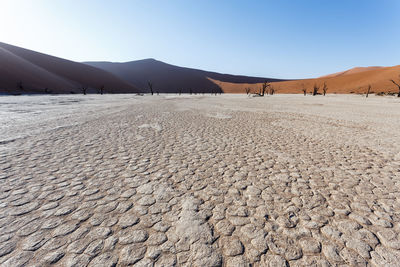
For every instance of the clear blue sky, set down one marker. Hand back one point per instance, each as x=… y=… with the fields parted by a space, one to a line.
x=283 y=39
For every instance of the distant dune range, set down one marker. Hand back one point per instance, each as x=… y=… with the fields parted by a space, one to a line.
x=168 y=78
x=26 y=71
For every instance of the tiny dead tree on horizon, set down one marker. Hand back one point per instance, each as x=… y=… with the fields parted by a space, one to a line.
x=368 y=90
x=20 y=86
x=101 y=90
x=272 y=90
x=398 y=85
x=150 y=87
x=180 y=91
x=303 y=88
x=247 y=90
x=325 y=88
x=84 y=90
x=315 y=90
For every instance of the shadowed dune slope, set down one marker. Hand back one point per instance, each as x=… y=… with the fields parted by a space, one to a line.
x=168 y=78
x=353 y=81
x=36 y=72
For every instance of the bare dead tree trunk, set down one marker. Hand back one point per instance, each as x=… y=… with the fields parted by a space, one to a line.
x=325 y=88
x=272 y=91
x=151 y=87
x=303 y=88
x=20 y=86
x=84 y=90
x=265 y=88
x=398 y=85
x=100 y=90
x=368 y=90
x=315 y=89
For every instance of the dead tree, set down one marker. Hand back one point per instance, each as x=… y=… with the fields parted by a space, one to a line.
x=20 y=86
x=101 y=90
x=271 y=90
x=84 y=90
x=325 y=88
x=247 y=90
x=398 y=85
x=264 y=88
x=368 y=90
x=150 y=87
x=180 y=91
x=315 y=90
x=304 y=91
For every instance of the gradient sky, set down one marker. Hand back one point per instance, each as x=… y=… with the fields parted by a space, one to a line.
x=282 y=39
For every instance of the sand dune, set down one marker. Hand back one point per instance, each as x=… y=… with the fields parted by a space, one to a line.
x=355 y=81
x=168 y=78
x=36 y=71
x=351 y=71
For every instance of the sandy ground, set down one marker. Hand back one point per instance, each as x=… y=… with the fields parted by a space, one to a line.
x=199 y=181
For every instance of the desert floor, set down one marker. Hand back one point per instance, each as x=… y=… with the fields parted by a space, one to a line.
x=199 y=180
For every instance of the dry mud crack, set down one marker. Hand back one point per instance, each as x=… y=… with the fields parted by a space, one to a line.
x=206 y=181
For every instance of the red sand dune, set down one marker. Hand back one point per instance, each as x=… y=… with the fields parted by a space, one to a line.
x=351 y=71
x=352 y=82
x=36 y=72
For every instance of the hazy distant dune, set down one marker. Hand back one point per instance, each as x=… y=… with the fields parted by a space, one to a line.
x=37 y=71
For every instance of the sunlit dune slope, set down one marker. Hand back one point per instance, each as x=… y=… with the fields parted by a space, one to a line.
x=353 y=82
